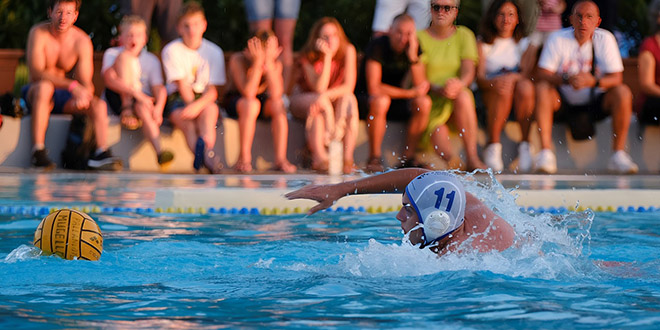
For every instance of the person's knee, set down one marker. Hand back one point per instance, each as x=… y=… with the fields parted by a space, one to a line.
x=248 y=107
x=464 y=100
x=622 y=93
x=379 y=105
x=524 y=90
x=350 y=101
x=323 y=102
x=421 y=105
x=275 y=107
x=42 y=90
x=212 y=110
x=543 y=89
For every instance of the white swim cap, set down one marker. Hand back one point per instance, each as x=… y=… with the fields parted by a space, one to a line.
x=439 y=200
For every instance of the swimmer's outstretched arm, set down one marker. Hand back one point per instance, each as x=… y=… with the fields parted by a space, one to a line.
x=326 y=195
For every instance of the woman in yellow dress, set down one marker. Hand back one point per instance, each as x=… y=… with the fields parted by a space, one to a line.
x=450 y=57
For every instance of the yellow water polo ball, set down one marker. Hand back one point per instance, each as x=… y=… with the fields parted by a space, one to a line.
x=69 y=234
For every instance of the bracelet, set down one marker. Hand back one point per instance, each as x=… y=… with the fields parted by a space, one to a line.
x=72 y=86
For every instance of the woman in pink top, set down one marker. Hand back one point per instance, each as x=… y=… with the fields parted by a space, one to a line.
x=549 y=20
x=323 y=97
x=649 y=69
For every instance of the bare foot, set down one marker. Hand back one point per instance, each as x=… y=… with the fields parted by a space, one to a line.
x=349 y=166
x=243 y=167
x=286 y=167
x=476 y=165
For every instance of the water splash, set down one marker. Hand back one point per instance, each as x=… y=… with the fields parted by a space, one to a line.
x=547 y=246
x=23 y=253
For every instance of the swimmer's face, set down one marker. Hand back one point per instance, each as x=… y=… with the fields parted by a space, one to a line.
x=409 y=219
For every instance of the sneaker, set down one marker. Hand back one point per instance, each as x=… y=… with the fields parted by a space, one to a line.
x=621 y=163
x=40 y=159
x=493 y=157
x=524 y=157
x=212 y=162
x=104 y=161
x=199 y=154
x=546 y=162
x=165 y=157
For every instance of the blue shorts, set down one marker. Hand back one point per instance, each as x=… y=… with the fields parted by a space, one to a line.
x=60 y=98
x=175 y=103
x=258 y=10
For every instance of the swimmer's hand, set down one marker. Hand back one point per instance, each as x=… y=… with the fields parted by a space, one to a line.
x=326 y=195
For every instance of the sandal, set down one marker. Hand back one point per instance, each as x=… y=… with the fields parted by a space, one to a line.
x=128 y=119
x=212 y=162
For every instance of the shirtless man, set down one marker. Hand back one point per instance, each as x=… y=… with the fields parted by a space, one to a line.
x=57 y=51
x=435 y=200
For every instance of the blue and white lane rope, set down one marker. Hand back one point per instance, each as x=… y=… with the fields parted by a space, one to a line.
x=45 y=210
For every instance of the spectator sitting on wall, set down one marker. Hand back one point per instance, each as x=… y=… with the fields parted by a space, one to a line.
x=581 y=78
x=54 y=49
x=134 y=84
x=382 y=92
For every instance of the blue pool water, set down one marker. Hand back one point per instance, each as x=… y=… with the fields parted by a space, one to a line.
x=331 y=270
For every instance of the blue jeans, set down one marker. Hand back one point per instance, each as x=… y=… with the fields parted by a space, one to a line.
x=258 y=10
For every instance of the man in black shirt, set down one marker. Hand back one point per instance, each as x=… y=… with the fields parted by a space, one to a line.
x=391 y=64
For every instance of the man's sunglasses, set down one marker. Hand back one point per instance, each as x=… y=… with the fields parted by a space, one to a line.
x=447 y=8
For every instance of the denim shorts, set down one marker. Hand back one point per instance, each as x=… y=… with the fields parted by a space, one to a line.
x=268 y=9
x=60 y=98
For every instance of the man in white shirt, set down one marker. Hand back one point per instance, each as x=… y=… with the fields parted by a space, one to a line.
x=568 y=82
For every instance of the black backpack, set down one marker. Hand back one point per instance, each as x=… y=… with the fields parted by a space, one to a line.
x=10 y=106
x=80 y=143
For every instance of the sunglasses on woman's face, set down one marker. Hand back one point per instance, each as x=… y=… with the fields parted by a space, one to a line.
x=447 y=8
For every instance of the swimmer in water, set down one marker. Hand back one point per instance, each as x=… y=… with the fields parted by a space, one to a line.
x=436 y=213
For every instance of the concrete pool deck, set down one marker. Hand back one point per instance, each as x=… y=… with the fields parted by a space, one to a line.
x=184 y=193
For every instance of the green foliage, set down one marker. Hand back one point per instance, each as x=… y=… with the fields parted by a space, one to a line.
x=354 y=16
x=97 y=18
x=470 y=14
x=227 y=23
x=633 y=23
x=228 y=26
x=16 y=18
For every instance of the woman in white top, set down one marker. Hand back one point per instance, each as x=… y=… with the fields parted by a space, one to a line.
x=502 y=80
